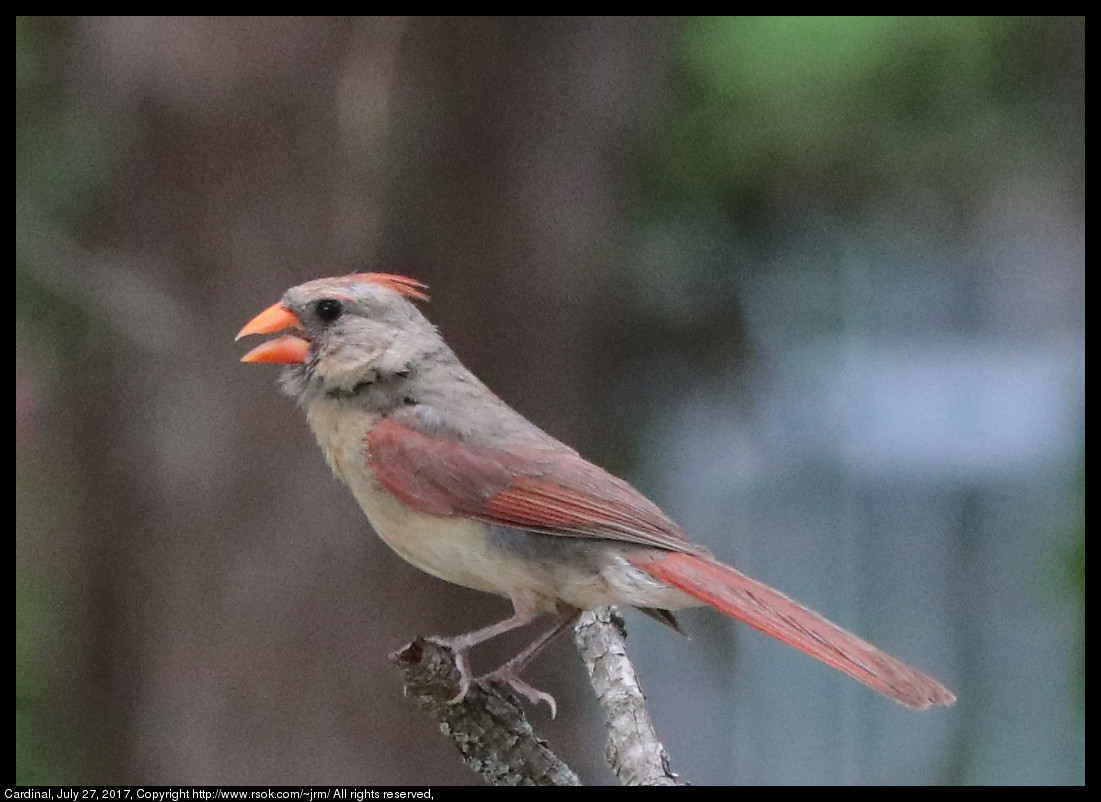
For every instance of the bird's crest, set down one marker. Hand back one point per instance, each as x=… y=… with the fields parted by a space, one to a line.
x=409 y=287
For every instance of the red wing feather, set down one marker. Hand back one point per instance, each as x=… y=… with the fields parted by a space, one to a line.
x=552 y=491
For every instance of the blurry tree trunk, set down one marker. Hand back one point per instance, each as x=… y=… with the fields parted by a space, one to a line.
x=505 y=185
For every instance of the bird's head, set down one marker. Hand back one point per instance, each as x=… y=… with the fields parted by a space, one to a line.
x=343 y=333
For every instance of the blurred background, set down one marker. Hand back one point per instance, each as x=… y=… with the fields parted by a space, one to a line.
x=815 y=285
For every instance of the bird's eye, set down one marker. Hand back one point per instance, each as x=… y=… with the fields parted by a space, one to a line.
x=329 y=309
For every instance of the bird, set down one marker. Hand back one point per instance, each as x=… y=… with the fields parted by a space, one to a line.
x=461 y=485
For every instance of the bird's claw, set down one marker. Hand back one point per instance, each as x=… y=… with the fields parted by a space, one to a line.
x=533 y=695
x=466 y=678
x=464 y=689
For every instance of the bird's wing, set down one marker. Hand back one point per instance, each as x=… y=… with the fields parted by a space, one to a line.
x=550 y=490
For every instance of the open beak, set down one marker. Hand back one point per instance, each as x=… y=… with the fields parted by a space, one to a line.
x=287 y=349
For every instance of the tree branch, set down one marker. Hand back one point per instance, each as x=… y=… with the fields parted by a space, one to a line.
x=487 y=727
x=493 y=736
x=634 y=751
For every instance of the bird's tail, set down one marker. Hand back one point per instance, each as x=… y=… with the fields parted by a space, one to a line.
x=775 y=614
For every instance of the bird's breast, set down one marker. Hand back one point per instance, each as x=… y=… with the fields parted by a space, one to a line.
x=456 y=549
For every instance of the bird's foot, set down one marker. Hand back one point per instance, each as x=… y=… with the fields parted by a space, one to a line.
x=505 y=676
x=462 y=665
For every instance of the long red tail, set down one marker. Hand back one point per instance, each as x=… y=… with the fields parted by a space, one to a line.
x=774 y=613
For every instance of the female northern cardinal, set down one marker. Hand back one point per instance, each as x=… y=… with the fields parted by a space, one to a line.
x=465 y=488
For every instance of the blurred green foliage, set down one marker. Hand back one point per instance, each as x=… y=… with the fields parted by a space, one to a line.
x=843 y=109
x=62 y=169
x=64 y=154
x=61 y=155
x=1076 y=572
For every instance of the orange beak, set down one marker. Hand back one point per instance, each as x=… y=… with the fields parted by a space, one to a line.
x=287 y=349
